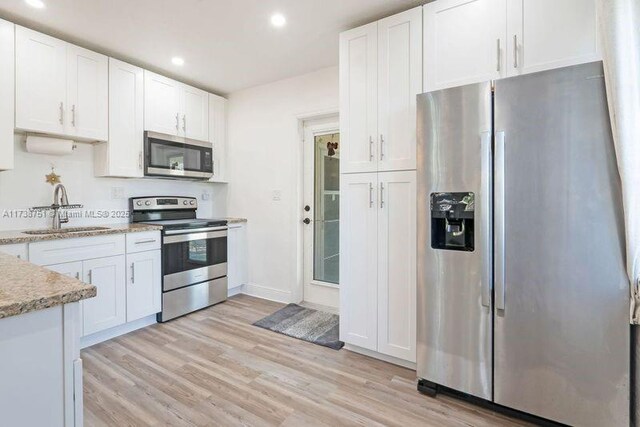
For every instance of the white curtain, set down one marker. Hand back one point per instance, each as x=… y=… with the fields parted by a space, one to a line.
x=619 y=29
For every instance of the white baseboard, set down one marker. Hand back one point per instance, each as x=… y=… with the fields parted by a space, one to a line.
x=380 y=356
x=101 y=336
x=267 y=293
x=234 y=291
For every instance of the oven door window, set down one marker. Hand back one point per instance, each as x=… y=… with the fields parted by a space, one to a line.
x=193 y=254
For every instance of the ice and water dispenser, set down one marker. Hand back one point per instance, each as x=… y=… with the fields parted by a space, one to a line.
x=452 y=217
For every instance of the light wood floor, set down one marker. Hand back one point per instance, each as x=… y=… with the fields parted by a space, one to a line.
x=212 y=368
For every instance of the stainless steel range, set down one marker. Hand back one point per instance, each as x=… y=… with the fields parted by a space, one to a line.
x=194 y=253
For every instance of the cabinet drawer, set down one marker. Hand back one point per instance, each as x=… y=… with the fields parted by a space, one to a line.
x=18 y=250
x=68 y=250
x=143 y=241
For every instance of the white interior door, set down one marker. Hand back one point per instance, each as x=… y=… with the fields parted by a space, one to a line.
x=321 y=213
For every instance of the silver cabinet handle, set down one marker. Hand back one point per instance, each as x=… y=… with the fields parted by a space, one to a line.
x=381 y=195
x=500 y=219
x=515 y=51
x=73 y=115
x=177 y=122
x=498 y=55
x=370 y=195
x=485 y=212
x=140 y=160
x=90 y=277
x=77 y=275
x=381 y=145
x=370 y=148
x=184 y=123
x=61 y=113
x=133 y=273
x=142 y=242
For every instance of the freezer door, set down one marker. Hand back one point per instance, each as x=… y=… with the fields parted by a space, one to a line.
x=454 y=262
x=561 y=293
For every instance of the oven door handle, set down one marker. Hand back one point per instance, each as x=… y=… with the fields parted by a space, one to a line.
x=195 y=236
x=194 y=230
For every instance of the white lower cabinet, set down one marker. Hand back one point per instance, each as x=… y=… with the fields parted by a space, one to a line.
x=236 y=255
x=144 y=271
x=18 y=250
x=378 y=262
x=108 y=308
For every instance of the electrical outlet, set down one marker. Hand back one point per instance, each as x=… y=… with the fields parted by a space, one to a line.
x=276 y=196
x=117 y=193
x=205 y=196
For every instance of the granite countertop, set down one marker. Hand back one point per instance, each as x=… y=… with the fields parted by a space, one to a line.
x=26 y=287
x=236 y=220
x=11 y=237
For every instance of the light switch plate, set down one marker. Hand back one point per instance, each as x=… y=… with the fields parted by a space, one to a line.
x=276 y=195
x=117 y=193
x=205 y=196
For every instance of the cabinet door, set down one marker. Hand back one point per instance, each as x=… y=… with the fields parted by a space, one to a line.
x=18 y=250
x=108 y=308
x=161 y=104
x=358 y=260
x=41 y=87
x=195 y=114
x=358 y=99
x=218 y=135
x=400 y=81
x=126 y=121
x=397 y=230
x=71 y=269
x=7 y=91
x=464 y=42
x=87 y=94
x=545 y=34
x=144 y=284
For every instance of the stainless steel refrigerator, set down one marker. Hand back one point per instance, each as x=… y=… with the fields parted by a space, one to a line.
x=522 y=293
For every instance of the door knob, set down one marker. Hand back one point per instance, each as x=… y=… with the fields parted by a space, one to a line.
x=307 y=208
x=306 y=221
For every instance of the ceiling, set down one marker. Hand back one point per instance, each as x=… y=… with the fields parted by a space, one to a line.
x=227 y=45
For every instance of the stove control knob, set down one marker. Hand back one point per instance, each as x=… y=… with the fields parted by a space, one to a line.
x=147 y=203
x=193 y=202
x=184 y=202
x=139 y=203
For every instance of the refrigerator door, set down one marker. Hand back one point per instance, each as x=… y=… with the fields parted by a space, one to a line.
x=561 y=293
x=454 y=281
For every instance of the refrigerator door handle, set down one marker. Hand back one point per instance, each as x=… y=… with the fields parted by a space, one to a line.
x=500 y=219
x=485 y=209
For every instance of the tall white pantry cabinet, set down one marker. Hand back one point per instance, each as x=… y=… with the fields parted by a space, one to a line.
x=380 y=77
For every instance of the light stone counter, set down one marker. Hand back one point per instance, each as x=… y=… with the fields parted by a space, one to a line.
x=13 y=237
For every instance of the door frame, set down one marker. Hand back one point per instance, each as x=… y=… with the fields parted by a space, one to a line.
x=330 y=115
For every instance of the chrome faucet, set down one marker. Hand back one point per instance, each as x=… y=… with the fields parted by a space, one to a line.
x=60 y=200
x=59 y=206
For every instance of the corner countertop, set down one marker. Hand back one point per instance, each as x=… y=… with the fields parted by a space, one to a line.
x=26 y=287
x=12 y=237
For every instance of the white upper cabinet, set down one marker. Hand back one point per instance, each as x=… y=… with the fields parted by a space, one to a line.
x=545 y=34
x=41 y=82
x=358 y=99
x=195 y=115
x=174 y=108
x=87 y=94
x=464 y=42
x=144 y=284
x=122 y=155
x=61 y=89
x=358 y=253
x=218 y=136
x=470 y=41
x=397 y=229
x=7 y=90
x=399 y=82
x=161 y=104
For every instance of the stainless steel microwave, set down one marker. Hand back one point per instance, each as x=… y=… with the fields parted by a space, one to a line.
x=177 y=157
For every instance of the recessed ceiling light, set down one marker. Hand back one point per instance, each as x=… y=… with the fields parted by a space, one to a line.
x=278 y=20
x=177 y=61
x=38 y=4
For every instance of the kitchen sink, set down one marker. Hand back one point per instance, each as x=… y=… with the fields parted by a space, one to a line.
x=65 y=230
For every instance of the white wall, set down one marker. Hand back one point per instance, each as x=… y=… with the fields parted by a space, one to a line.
x=25 y=187
x=265 y=156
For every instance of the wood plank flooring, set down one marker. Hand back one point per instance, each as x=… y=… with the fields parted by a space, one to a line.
x=213 y=368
